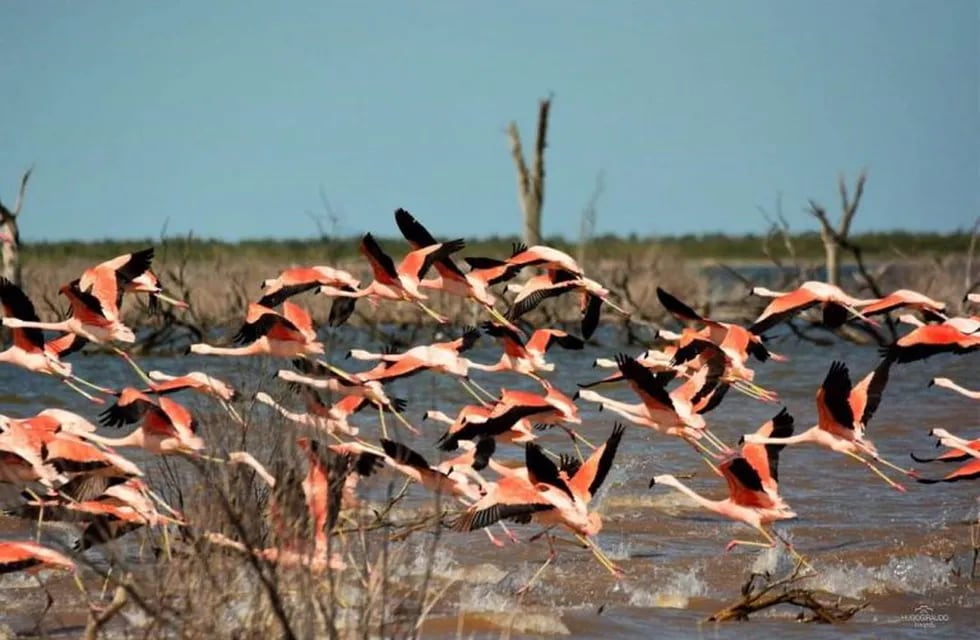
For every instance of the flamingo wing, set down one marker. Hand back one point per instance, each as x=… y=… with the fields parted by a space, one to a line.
x=417 y=263
x=540 y=468
x=511 y=340
x=65 y=345
x=866 y=396
x=131 y=407
x=85 y=306
x=299 y=318
x=401 y=453
x=783 y=308
x=17 y=556
x=928 y=341
x=543 y=339
x=590 y=314
x=492 y=426
x=527 y=303
x=260 y=322
x=381 y=263
x=744 y=483
x=677 y=308
x=651 y=388
x=280 y=295
x=418 y=237
x=16 y=304
x=969 y=471
x=137 y=264
x=589 y=477
x=491 y=270
x=835 y=396
x=765 y=458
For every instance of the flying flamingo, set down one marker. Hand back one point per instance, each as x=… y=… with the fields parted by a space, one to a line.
x=552 y=408
x=451 y=278
x=403 y=282
x=844 y=412
x=946 y=383
x=132 y=275
x=296 y=280
x=94 y=316
x=749 y=499
x=294 y=550
x=29 y=349
x=167 y=427
x=736 y=341
x=959 y=450
x=22 y=457
x=526 y=358
x=267 y=332
x=834 y=303
x=30 y=556
x=932 y=339
x=473 y=415
x=931 y=309
x=556 y=282
x=330 y=419
x=551 y=497
x=322 y=375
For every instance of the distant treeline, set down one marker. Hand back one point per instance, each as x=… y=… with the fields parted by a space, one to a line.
x=890 y=244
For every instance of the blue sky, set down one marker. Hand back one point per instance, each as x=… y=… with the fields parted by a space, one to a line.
x=227 y=117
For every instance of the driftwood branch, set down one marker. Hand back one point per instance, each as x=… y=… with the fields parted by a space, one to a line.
x=834 y=237
x=758 y=595
x=589 y=214
x=10 y=243
x=530 y=182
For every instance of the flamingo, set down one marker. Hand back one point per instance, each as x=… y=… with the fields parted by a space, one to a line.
x=403 y=282
x=132 y=274
x=294 y=551
x=471 y=416
x=297 y=280
x=267 y=332
x=748 y=500
x=736 y=341
x=834 y=302
x=946 y=383
x=551 y=497
x=844 y=412
x=932 y=339
x=526 y=358
x=17 y=555
x=29 y=349
x=552 y=408
x=959 y=450
x=198 y=381
x=931 y=309
x=321 y=375
x=439 y=356
x=331 y=419
x=442 y=481
x=167 y=427
x=556 y=282
x=451 y=278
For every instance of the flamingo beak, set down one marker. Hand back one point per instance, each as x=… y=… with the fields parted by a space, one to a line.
x=653 y=481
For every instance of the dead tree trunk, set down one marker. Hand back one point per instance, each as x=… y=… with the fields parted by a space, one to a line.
x=10 y=235
x=835 y=239
x=530 y=182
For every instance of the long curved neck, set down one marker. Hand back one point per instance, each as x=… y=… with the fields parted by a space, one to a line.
x=768 y=293
x=711 y=505
x=208 y=350
x=134 y=439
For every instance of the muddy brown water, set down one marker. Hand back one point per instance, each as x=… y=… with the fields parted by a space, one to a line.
x=908 y=555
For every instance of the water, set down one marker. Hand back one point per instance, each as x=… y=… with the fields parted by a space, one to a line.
x=899 y=552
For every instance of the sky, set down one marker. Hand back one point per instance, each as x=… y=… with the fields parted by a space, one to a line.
x=229 y=118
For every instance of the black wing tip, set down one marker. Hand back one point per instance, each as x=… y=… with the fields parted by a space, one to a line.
x=518 y=247
x=783 y=419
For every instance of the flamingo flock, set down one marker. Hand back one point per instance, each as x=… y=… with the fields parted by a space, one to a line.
x=68 y=467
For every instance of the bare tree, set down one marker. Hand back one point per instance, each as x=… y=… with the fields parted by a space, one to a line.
x=10 y=244
x=530 y=182
x=836 y=238
x=589 y=215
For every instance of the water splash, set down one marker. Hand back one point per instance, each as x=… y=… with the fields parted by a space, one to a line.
x=914 y=574
x=676 y=591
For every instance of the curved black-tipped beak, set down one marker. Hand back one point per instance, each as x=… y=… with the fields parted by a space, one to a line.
x=932 y=381
x=575 y=396
x=347 y=355
x=741 y=440
x=653 y=481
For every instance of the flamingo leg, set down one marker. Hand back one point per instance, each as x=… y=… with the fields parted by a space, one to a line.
x=576 y=438
x=128 y=358
x=877 y=471
x=406 y=423
x=82 y=392
x=796 y=554
x=479 y=387
x=616 y=307
x=91 y=385
x=600 y=555
x=705 y=453
x=381 y=417
x=716 y=441
x=894 y=466
x=105 y=583
x=433 y=314
x=470 y=391
x=494 y=540
x=551 y=557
